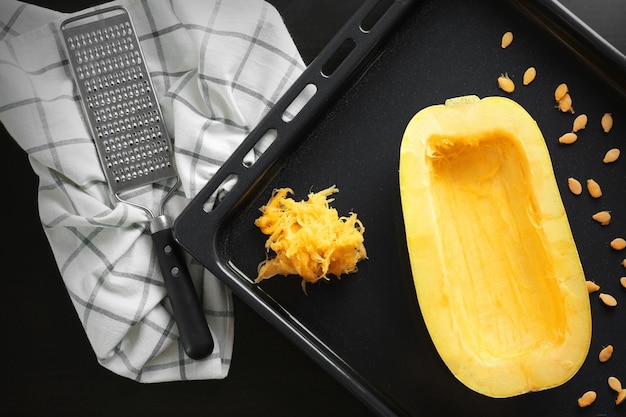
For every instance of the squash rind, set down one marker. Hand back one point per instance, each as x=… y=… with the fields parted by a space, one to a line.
x=495 y=267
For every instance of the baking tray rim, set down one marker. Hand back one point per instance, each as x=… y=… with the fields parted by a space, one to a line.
x=562 y=23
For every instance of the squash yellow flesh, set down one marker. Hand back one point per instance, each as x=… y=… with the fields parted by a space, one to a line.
x=495 y=267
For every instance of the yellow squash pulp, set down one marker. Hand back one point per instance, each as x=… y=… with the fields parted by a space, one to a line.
x=495 y=267
x=309 y=238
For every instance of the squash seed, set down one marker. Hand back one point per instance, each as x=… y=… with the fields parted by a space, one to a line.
x=507 y=39
x=580 y=122
x=568 y=138
x=594 y=188
x=529 y=75
x=615 y=384
x=622 y=281
x=621 y=396
x=565 y=104
x=587 y=399
x=606 y=353
x=602 y=217
x=618 y=243
x=608 y=299
x=592 y=287
x=574 y=185
x=611 y=156
x=560 y=92
x=505 y=83
x=606 y=122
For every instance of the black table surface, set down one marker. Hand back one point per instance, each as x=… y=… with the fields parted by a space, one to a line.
x=50 y=368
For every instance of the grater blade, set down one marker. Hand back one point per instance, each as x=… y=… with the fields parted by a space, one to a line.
x=133 y=146
x=118 y=98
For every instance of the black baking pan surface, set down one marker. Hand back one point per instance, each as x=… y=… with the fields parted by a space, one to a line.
x=389 y=61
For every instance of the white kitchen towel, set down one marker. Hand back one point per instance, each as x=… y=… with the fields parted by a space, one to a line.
x=218 y=66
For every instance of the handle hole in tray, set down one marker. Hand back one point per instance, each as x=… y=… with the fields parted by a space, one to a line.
x=299 y=102
x=377 y=12
x=220 y=192
x=259 y=147
x=331 y=65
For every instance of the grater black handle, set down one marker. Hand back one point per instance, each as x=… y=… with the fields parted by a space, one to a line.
x=191 y=321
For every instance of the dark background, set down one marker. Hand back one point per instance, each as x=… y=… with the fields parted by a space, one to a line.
x=49 y=366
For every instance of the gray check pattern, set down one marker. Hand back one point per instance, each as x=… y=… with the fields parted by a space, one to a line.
x=218 y=66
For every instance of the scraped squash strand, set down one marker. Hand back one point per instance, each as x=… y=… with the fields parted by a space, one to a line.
x=309 y=238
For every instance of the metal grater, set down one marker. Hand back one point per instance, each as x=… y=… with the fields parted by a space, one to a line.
x=132 y=142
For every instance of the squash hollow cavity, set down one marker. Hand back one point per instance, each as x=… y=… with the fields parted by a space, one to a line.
x=481 y=194
x=495 y=268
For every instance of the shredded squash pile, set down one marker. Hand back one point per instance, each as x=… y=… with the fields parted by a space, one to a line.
x=308 y=237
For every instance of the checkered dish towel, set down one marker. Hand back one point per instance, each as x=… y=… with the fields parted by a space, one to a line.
x=218 y=67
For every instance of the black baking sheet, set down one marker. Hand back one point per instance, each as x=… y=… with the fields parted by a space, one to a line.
x=366 y=329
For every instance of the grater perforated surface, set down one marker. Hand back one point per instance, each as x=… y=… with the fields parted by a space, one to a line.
x=119 y=100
